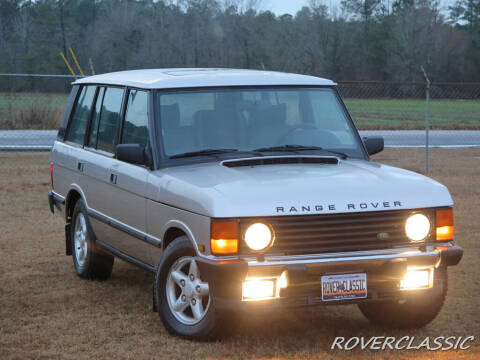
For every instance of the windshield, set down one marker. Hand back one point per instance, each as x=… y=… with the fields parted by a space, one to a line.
x=257 y=120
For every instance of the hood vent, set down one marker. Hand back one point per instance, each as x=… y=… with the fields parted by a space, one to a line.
x=281 y=160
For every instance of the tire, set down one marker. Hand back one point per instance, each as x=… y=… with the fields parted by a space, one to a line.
x=416 y=311
x=89 y=260
x=196 y=317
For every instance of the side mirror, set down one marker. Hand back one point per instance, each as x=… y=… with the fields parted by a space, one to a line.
x=131 y=153
x=374 y=144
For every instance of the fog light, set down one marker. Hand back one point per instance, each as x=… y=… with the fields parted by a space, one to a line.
x=283 y=281
x=416 y=279
x=258 y=289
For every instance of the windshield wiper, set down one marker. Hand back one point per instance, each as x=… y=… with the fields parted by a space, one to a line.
x=203 y=152
x=294 y=148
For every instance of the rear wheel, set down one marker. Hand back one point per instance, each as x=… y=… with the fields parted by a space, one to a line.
x=89 y=260
x=182 y=297
x=415 y=311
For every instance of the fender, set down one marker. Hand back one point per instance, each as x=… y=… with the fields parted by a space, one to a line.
x=182 y=226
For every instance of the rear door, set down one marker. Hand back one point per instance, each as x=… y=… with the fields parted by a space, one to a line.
x=98 y=160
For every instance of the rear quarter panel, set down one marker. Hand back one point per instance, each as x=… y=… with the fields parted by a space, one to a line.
x=65 y=174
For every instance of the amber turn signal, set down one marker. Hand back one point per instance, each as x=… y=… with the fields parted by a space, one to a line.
x=444 y=231
x=224 y=237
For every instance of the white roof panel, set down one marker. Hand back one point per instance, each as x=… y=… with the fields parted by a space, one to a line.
x=197 y=77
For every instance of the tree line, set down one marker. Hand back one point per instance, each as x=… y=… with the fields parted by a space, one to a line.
x=384 y=40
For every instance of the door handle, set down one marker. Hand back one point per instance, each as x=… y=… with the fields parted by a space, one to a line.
x=113 y=178
x=80 y=166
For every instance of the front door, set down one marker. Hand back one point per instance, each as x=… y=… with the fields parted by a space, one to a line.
x=129 y=181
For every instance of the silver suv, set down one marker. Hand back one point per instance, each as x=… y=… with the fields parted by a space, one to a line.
x=241 y=189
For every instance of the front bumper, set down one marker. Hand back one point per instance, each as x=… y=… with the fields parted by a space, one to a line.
x=384 y=269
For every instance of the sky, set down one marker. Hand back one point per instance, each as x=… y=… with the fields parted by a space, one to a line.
x=280 y=7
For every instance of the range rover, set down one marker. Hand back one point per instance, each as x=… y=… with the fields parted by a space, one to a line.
x=243 y=189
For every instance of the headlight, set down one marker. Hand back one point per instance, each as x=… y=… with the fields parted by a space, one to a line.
x=417 y=227
x=258 y=236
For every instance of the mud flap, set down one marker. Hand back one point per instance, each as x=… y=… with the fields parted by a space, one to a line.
x=68 y=239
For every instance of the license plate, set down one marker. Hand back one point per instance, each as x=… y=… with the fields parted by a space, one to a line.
x=344 y=287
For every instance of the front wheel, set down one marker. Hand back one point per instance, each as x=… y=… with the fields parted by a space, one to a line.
x=182 y=297
x=415 y=311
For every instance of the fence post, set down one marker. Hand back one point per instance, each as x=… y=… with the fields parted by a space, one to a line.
x=427 y=116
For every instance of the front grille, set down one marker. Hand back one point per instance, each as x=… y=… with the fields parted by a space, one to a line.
x=339 y=232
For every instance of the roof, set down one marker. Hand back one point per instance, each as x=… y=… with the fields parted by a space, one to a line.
x=198 y=77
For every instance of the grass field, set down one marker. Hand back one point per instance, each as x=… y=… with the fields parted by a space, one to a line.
x=22 y=100
x=42 y=111
x=410 y=114
x=47 y=312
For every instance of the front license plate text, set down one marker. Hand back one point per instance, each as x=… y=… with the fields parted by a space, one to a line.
x=344 y=287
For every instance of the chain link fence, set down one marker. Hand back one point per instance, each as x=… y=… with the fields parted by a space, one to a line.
x=401 y=106
x=394 y=110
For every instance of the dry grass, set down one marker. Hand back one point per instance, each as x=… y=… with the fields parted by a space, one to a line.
x=47 y=312
x=36 y=116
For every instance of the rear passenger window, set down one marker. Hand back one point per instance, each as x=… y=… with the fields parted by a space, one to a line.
x=80 y=115
x=92 y=140
x=109 y=119
x=135 y=128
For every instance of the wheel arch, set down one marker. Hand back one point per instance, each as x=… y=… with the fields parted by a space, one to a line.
x=74 y=194
x=174 y=229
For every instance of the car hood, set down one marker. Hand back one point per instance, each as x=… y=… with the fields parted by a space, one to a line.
x=215 y=190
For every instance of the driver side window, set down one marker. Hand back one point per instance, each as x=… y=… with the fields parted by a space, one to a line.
x=135 y=127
